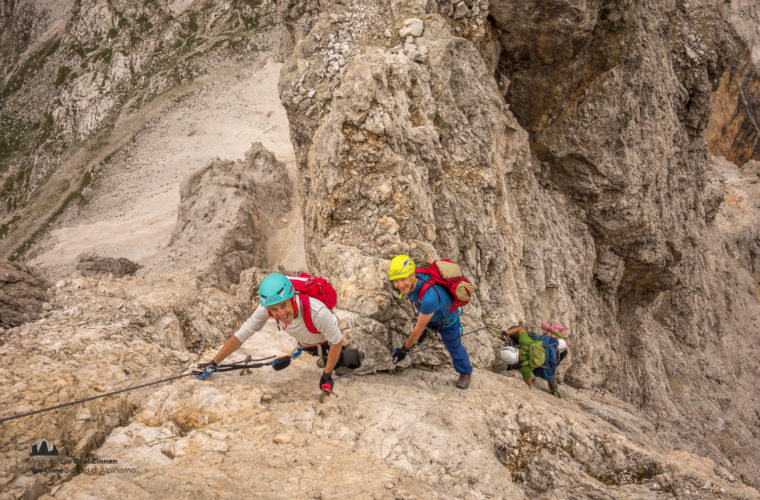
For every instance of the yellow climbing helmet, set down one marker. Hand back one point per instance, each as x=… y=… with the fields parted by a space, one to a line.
x=402 y=266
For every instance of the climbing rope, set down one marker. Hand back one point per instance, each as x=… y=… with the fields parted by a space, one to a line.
x=94 y=397
x=240 y=365
x=277 y=364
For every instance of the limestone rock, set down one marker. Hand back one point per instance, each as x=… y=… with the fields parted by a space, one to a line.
x=555 y=149
x=103 y=334
x=22 y=294
x=409 y=445
x=73 y=70
x=227 y=212
x=412 y=27
x=90 y=265
x=559 y=157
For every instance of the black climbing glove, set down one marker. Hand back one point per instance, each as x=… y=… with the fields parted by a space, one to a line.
x=205 y=369
x=210 y=366
x=399 y=353
x=326 y=383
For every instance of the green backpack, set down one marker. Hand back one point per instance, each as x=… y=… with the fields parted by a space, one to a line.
x=536 y=355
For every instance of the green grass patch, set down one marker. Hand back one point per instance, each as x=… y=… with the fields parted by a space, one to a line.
x=63 y=72
x=14 y=187
x=104 y=55
x=83 y=51
x=95 y=146
x=605 y=479
x=250 y=22
x=8 y=146
x=143 y=22
x=251 y=4
x=45 y=129
x=645 y=472
x=21 y=250
x=192 y=22
x=5 y=227
x=30 y=66
x=569 y=448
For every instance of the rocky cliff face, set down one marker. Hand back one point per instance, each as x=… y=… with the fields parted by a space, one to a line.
x=404 y=434
x=227 y=214
x=734 y=131
x=22 y=294
x=556 y=151
x=76 y=76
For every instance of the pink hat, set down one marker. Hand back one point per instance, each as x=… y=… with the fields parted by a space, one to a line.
x=554 y=327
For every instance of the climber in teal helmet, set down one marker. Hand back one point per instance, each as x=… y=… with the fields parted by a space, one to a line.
x=305 y=318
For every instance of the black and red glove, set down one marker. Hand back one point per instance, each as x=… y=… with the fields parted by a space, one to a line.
x=326 y=383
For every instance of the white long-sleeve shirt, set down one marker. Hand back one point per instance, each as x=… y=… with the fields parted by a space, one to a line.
x=323 y=319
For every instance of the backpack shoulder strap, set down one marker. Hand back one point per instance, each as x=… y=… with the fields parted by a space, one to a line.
x=306 y=311
x=427 y=285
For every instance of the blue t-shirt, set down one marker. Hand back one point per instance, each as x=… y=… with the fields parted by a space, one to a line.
x=439 y=302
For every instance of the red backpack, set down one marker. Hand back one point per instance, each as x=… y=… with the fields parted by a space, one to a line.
x=313 y=286
x=449 y=275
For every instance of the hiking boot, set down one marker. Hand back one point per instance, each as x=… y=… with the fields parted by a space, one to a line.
x=554 y=387
x=464 y=380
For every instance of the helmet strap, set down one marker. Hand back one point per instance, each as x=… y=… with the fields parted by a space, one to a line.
x=294 y=303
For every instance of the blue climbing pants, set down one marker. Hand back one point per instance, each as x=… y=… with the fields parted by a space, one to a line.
x=451 y=333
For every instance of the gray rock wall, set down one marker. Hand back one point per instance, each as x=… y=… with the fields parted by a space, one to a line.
x=228 y=211
x=76 y=75
x=555 y=150
x=22 y=294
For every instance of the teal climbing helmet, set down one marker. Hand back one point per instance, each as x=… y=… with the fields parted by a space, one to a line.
x=274 y=289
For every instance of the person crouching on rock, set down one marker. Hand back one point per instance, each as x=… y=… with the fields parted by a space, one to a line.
x=533 y=354
x=278 y=299
x=433 y=314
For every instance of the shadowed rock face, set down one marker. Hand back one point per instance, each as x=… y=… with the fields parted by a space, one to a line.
x=734 y=128
x=22 y=294
x=90 y=265
x=227 y=212
x=556 y=150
